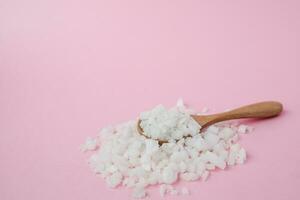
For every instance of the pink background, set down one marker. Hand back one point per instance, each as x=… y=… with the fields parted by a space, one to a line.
x=68 y=68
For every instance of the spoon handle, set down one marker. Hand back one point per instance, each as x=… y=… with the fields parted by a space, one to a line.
x=258 y=110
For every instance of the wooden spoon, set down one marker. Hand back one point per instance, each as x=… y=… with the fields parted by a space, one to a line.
x=258 y=110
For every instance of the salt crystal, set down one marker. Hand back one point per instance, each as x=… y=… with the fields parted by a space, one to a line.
x=226 y=133
x=213 y=129
x=114 y=180
x=139 y=192
x=182 y=167
x=162 y=190
x=241 y=157
x=205 y=175
x=185 y=191
x=180 y=103
x=151 y=146
x=89 y=145
x=242 y=129
x=187 y=176
x=169 y=175
x=211 y=139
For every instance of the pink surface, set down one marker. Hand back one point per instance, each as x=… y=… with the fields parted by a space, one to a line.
x=68 y=68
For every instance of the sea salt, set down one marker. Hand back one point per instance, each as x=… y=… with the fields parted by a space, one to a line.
x=242 y=129
x=163 y=124
x=139 y=192
x=205 y=175
x=126 y=158
x=185 y=191
x=245 y=129
x=162 y=190
x=89 y=145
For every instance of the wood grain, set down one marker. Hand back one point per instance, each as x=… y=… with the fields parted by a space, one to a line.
x=258 y=110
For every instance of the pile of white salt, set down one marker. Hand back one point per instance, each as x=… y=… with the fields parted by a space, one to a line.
x=123 y=157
